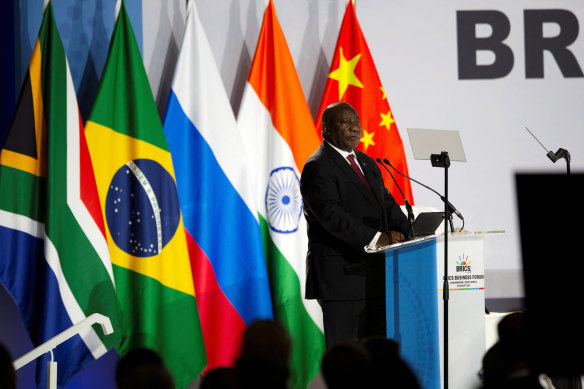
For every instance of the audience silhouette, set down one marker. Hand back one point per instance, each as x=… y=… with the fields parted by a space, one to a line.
x=387 y=368
x=506 y=363
x=373 y=363
x=345 y=366
x=264 y=361
x=265 y=356
x=221 y=378
x=142 y=368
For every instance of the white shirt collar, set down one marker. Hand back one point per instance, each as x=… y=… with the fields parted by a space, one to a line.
x=344 y=153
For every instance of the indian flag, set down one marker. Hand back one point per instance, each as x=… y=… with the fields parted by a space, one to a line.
x=279 y=136
x=144 y=226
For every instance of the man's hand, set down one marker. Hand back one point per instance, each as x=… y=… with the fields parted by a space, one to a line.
x=390 y=237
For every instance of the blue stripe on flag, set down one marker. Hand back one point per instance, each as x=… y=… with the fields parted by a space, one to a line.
x=32 y=284
x=208 y=199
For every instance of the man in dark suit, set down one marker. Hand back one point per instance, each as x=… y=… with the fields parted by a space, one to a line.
x=347 y=208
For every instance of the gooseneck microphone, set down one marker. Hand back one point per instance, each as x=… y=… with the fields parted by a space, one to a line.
x=451 y=208
x=406 y=202
x=554 y=157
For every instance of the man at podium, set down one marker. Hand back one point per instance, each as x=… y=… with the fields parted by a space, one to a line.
x=347 y=208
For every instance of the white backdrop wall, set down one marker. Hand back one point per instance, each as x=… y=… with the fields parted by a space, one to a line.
x=414 y=45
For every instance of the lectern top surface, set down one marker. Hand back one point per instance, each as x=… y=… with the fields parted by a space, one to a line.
x=464 y=235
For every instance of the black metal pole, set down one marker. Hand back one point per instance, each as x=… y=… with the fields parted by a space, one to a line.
x=568 y=166
x=446 y=286
x=563 y=153
x=442 y=160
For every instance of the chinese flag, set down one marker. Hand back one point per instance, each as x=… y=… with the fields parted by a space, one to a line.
x=354 y=79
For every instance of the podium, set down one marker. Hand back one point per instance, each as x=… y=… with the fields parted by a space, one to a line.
x=414 y=306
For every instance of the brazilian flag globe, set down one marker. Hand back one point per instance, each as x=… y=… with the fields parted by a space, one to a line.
x=144 y=227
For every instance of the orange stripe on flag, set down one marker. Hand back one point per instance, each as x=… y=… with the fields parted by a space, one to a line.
x=274 y=79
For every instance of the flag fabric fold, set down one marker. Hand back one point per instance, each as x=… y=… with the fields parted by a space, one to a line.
x=353 y=79
x=54 y=259
x=220 y=218
x=278 y=134
x=143 y=222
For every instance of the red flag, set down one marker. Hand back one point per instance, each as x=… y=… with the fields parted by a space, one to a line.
x=354 y=79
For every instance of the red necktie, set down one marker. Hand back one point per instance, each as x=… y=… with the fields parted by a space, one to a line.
x=351 y=159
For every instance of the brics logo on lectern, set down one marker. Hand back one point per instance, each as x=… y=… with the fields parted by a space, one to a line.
x=463 y=264
x=483 y=34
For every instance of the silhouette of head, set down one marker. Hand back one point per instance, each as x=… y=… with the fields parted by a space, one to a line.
x=142 y=368
x=265 y=354
x=345 y=366
x=221 y=378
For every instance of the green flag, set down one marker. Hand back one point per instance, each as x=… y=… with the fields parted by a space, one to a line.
x=54 y=259
x=143 y=222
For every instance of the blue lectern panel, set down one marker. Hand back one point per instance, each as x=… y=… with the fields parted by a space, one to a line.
x=412 y=309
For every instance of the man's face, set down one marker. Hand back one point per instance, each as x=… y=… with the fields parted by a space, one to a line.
x=344 y=129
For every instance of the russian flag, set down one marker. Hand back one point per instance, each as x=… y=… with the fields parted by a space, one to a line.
x=221 y=222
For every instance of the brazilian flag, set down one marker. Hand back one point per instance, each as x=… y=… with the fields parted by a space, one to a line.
x=144 y=227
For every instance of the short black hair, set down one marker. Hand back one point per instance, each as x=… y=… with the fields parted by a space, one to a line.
x=328 y=111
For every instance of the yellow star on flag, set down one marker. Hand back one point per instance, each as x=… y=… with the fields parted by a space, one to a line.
x=382 y=91
x=345 y=73
x=367 y=139
x=386 y=120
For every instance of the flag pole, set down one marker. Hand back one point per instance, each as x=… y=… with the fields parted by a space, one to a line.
x=117 y=11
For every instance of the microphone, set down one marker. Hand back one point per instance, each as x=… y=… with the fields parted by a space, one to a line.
x=561 y=153
x=554 y=157
x=406 y=202
x=451 y=207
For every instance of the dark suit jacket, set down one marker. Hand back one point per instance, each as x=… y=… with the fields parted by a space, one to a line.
x=343 y=216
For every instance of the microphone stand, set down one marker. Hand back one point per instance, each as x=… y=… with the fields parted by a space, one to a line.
x=442 y=160
x=561 y=153
x=406 y=202
x=450 y=207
